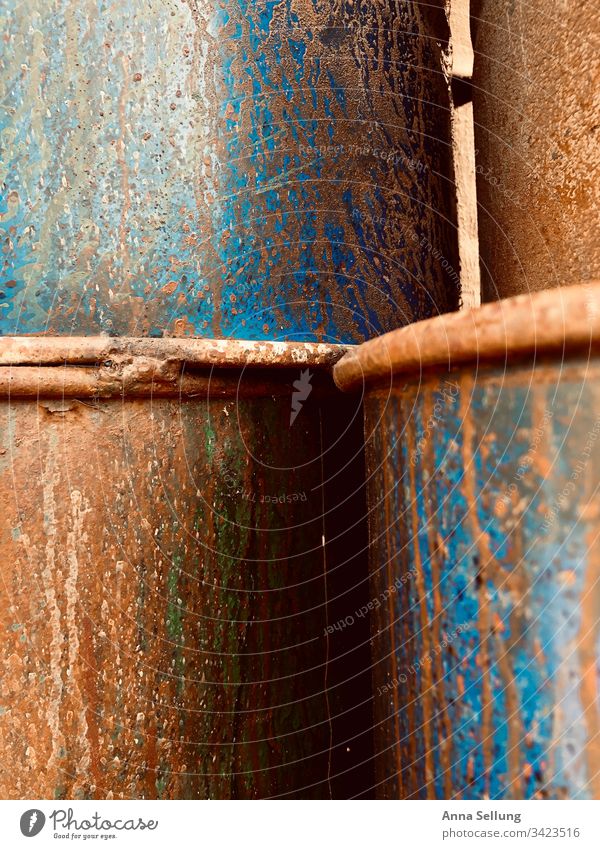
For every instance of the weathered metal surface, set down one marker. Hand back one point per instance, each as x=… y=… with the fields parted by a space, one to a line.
x=224 y=353
x=101 y=367
x=162 y=596
x=484 y=504
x=143 y=378
x=265 y=170
x=484 y=501
x=544 y=323
x=537 y=118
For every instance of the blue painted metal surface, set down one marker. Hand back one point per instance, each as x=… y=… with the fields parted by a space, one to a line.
x=484 y=500
x=268 y=169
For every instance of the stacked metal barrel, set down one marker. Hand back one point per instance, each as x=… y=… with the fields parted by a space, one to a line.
x=246 y=171
x=203 y=204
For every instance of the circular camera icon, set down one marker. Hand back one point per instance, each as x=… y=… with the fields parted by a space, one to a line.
x=32 y=822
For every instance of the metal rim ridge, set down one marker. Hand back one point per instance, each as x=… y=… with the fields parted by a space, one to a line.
x=558 y=321
x=102 y=366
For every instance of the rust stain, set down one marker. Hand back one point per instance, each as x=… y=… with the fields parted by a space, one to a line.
x=431 y=514
x=388 y=484
x=49 y=569
x=426 y=695
x=536 y=132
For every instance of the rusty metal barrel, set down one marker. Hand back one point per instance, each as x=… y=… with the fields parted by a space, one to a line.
x=163 y=591
x=225 y=169
x=483 y=461
x=537 y=119
x=174 y=174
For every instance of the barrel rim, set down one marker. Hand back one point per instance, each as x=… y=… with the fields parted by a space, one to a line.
x=193 y=351
x=107 y=367
x=556 y=321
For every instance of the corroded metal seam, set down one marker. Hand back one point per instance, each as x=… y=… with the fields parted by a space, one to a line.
x=561 y=320
x=225 y=353
x=104 y=367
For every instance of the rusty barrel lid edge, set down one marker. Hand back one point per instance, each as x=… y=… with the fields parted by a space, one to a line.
x=555 y=321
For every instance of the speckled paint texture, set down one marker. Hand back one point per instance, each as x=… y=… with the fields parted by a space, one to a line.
x=485 y=562
x=162 y=597
x=537 y=126
x=269 y=169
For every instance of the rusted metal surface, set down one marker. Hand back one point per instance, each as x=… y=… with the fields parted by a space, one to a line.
x=537 y=118
x=224 y=353
x=544 y=323
x=463 y=152
x=249 y=170
x=162 y=610
x=484 y=501
x=144 y=378
x=101 y=367
x=484 y=505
